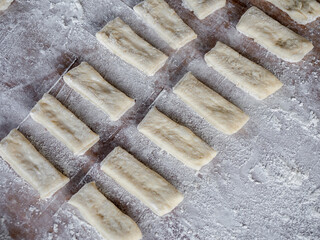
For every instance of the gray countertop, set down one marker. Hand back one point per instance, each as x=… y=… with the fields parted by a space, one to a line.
x=264 y=182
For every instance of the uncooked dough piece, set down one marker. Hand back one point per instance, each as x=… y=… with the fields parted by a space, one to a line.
x=247 y=75
x=63 y=125
x=103 y=215
x=203 y=8
x=273 y=36
x=176 y=139
x=219 y=112
x=301 y=11
x=4 y=4
x=31 y=165
x=122 y=41
x=148 y=186
x=85 y=80
x=165 y=22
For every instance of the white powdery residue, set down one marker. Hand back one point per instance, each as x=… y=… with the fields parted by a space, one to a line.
x=314 y=120
x=34 y=209
x=4 y=233
x=311 y=205
x=186 y=5
x=78 y=6
x=78 y=13
x=226 y=218
x=276 y=123
x=55 y=228
x=218 y=203
x=313 y=198
x=257 y=175
x=277 y=170
x=293 y=99
x=66 y=13
x=68 y=225
x=314 y=212
x=309 y=125
x=49 y=236
x=315 y=195
x=300 y=237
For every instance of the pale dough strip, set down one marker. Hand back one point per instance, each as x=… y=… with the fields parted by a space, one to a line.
x=86 y=81
x=122 y=41
x=4 y=4
x=219 y=112
x=63 y=125
x=301 y=11
x=176 y=139
x=148 y=186
x=103 y=215
x=273 y=36
x=27 y=162
x=204 y=8
x=245 y=74
x=165 y=22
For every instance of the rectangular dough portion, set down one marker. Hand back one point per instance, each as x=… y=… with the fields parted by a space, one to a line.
x=27 y=162
x=219 y=112
x=85 y=80
x=4 y=4
x=103 y=215
x=203 y=8
x=301 y=11
x=273 y=36
x=165 y=22
x=148 y=186
x=176 y=139
x=63 y=125
x=245 y=74
x=122 y=41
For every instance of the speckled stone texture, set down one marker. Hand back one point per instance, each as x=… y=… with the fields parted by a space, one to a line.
x=264 y=182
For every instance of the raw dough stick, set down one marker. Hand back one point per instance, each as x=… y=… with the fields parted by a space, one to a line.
x=219 y=112
x=103 y=215
x=64 y=125
x=204 y=8
x=273 y=36
x=247 y=75
x=148 y=186
x=176 y=139
x=301 y=11
x=4 y=4
x=165 y=22
x=85 y=80
x=122 y=41
x=31 y=165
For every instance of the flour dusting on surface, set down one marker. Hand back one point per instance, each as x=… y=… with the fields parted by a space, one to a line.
x=264 y=182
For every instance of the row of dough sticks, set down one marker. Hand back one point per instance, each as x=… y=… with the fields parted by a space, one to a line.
x=148 y=186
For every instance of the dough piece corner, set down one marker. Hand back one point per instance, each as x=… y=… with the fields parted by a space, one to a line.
x=122 y=41
x=165 y=22
x=215 y=109
x=176 y=139
x=204 y=8
x=302 y=12
x=63 y=124
x=142 y=182
x=103 y=215
x=29 y=164
x=4 y=4
x=85 y=80
x=245 y=74
x=273 y=36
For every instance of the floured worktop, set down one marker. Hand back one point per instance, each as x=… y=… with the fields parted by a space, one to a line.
x=264 y=182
